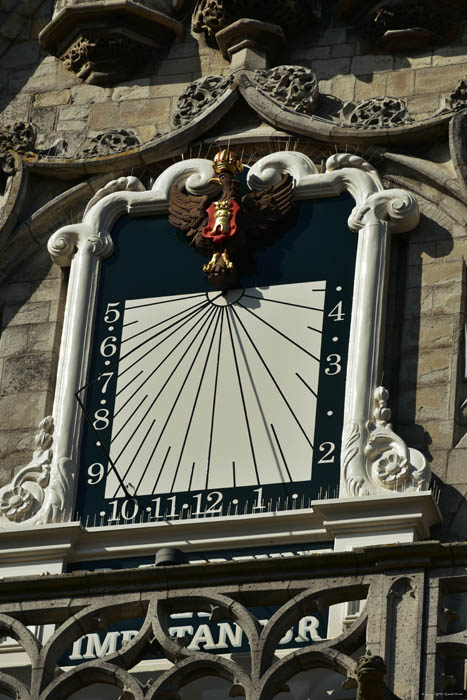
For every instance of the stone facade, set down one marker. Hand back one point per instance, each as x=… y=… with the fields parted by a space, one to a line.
x=400 y=103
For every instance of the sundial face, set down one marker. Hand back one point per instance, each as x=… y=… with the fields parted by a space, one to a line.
x=205 y=403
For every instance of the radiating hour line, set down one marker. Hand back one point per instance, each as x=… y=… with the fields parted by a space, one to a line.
x=169 y=318
x=315 y=329
x=164 y=330
x=287 y=303
x=243 y=398
x=156 y=398
x=135 y=455
x=107 y=454
x=234 y=475
x=176 y=347
x=307 y=385
x=214 y=396
x=184 y=382
x=162 y=465
x=282 y=454
x=165 y=301
x=180 y=360
x=114 y=437
x=133 y=433
x=195 y=402
x=272 y=377
x=127 y=385
x=278 y=331
x=191 y=475
x=131 y=323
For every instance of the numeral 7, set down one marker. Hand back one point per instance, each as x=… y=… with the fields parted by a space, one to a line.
x=109 y=376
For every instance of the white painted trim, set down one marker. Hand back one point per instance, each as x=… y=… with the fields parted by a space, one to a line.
x=371 y=450
x=406 y=518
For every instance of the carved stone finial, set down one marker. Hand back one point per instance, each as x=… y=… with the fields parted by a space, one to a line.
x=370 y=674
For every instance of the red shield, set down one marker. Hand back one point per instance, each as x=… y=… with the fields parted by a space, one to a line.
x=214 y=231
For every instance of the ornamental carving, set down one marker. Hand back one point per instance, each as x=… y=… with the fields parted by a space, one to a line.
x=393 y=465
x=109 y=142
x=104 y=42
x=102 y=58
x=26 y=492
x=378 y=113
x=458 y=97
x=401 y=26
x=225 y=227
x=406 y=26
x=370 y=675
x=210 y=16
x=293 y=87
x=198 y=96
x=18 y=137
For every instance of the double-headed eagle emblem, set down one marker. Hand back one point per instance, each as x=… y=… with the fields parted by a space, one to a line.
x=225 y=229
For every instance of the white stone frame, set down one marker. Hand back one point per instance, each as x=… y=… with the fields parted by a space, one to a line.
x=375 y=461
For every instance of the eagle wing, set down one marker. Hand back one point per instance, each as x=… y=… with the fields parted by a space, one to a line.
x=261 y=210
x=187 y=212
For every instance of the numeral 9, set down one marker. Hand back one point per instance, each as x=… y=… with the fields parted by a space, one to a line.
x=95 y=473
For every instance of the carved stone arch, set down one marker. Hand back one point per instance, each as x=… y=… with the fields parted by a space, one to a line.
x=13 y=688
x=199 y=666
x=92 y=617
x=220 y=607
x=276 y=677
x=88 y=674
x=287 y=615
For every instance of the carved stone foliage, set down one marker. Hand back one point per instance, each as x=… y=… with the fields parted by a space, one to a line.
x=104 y=42
x=199 y=96
x=377 y=113
x=293 y=87
x=406 y=25
x=210 y=16
x=26 y=492
x=400 y=26
x=18 y=137
x=108 y=142
x=101 y=58
x=393 y=465
x=458 y=97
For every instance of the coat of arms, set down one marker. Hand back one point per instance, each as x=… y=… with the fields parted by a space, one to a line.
x=227 y=228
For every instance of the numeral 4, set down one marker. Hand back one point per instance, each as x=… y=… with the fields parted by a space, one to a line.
x=336 y=313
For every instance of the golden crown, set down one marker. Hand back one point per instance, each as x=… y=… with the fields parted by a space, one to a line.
x=227 y=160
